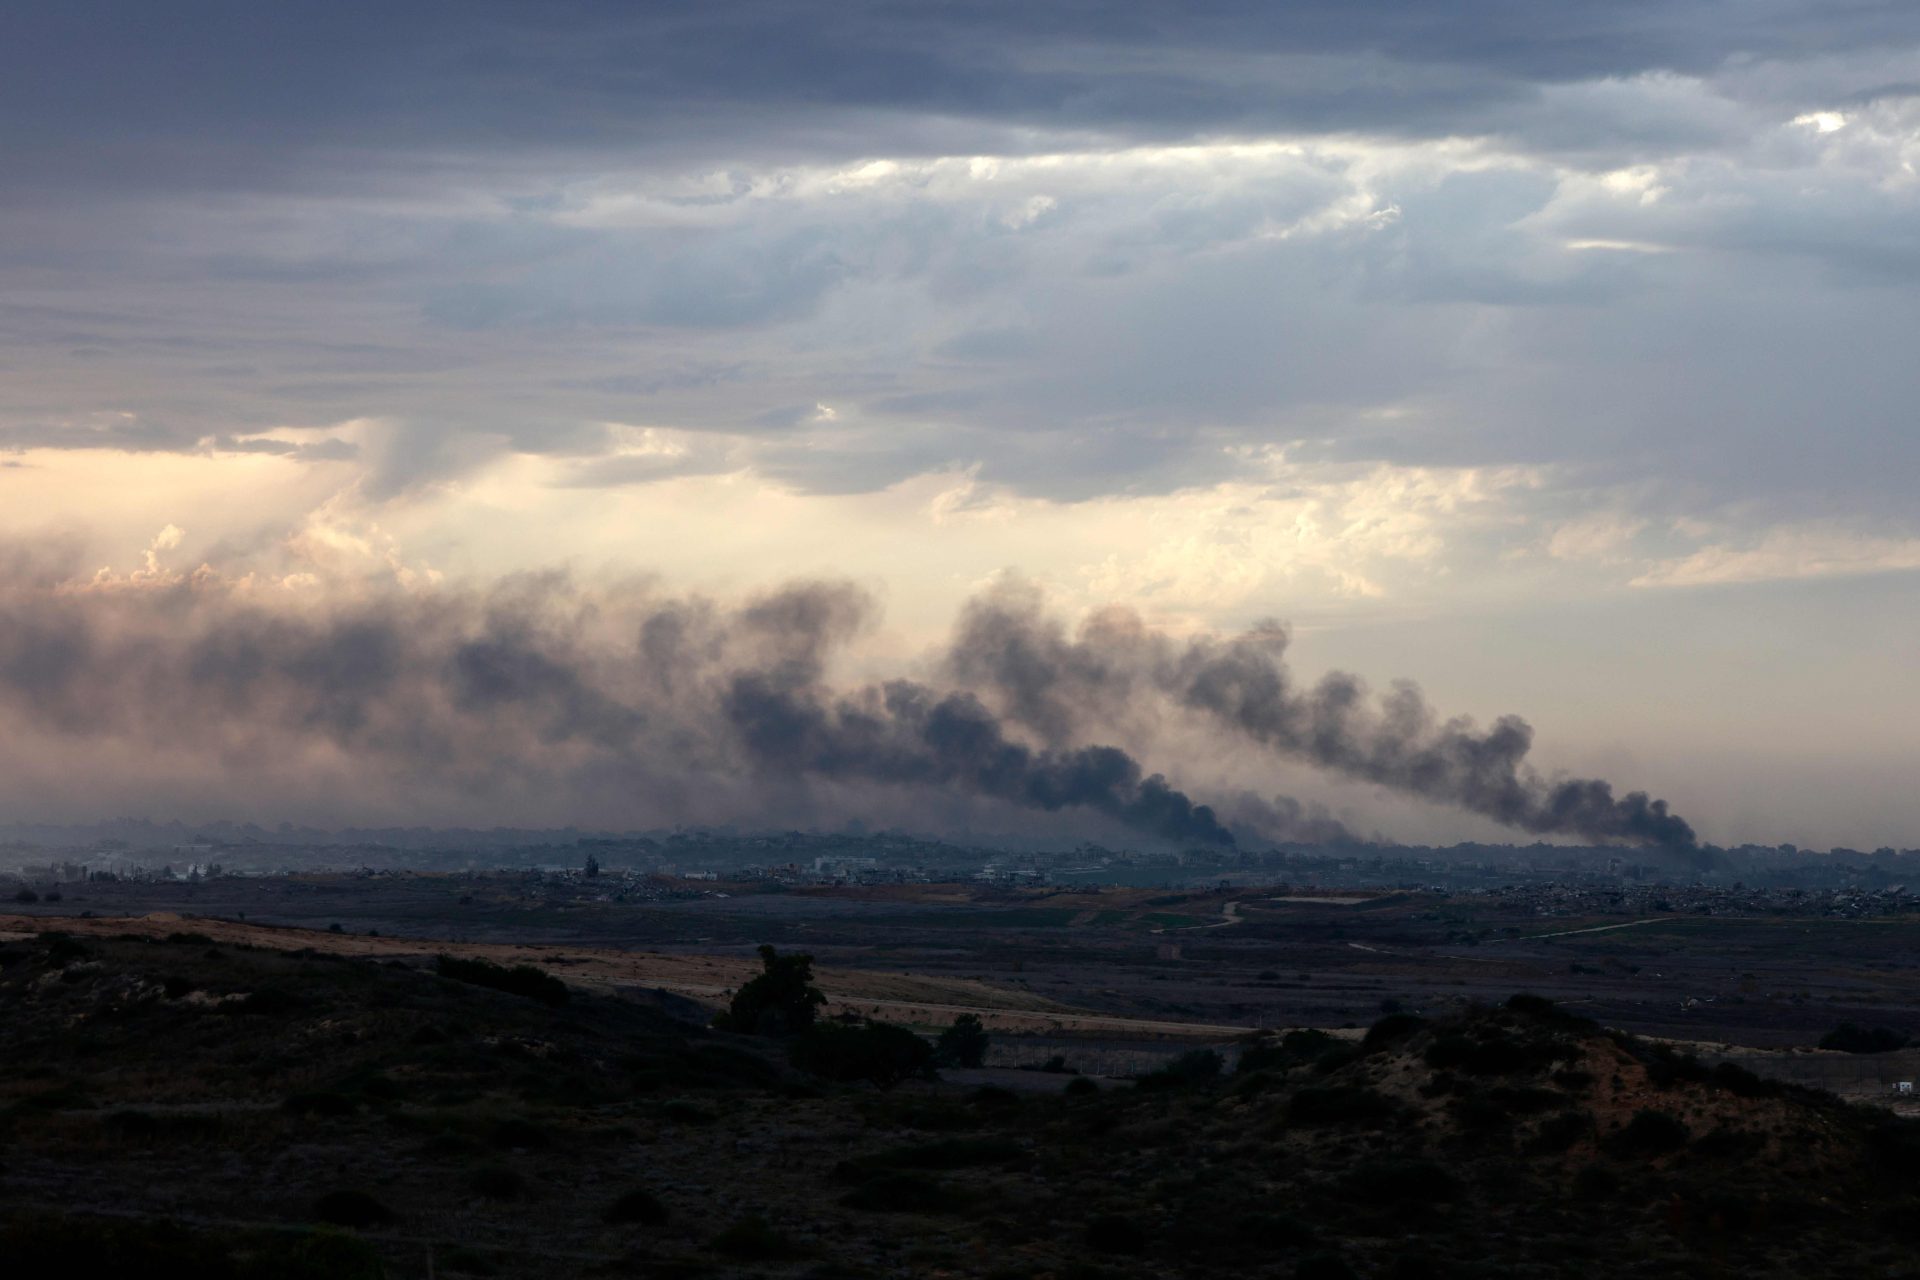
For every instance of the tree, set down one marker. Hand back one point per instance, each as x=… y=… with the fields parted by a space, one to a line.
x=593 y=867
x=878 y=1053
x=964 y=1044
x=1851 y=1038
x=780 y=1001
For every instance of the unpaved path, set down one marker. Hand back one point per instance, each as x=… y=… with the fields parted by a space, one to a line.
x=709 y=978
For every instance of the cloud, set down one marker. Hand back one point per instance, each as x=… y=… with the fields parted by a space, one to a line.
x=1786 y=554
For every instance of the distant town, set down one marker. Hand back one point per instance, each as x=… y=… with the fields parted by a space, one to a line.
x=1558 y=879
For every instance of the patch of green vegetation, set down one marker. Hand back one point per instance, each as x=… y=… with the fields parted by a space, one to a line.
x=753 y=1239
x=951 y=1153
x=521 y=980
x=638 y=1207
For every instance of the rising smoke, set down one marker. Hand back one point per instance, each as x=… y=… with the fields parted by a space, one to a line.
x=632 y=699
x=1054 y=685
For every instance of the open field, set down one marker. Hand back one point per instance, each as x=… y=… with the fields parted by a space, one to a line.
x=1128 y=965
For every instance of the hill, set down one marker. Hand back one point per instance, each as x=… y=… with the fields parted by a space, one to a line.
x=219 y=1110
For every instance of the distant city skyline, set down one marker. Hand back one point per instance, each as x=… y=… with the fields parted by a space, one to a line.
x=380 y=388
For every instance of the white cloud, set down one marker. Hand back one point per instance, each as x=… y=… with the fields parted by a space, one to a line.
x=1786 y=554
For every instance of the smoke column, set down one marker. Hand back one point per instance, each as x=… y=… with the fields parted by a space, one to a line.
x=628 y=699
x=1006 y=645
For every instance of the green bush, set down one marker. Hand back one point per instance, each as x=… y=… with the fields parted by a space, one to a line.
x=638 y=1207
x=496 y=1183
x=964 y=1044
x=1115 y=1233
x=1849 y=1038
x=1340 y=1104
x=1650 y=1133
x=1390 y=1030
x=1398 y=1181
x=950 y=1153
x=1323 y=1266
x=521 y=980
x=780 y=1001
x=1295 y=1049
x=903 y=1193
x=877 y=1053
x=516 y=1133
x=754 y=1239
x=1195 y=1067
x=1558 y=1132
x=321 y=1103
x=355 y=1209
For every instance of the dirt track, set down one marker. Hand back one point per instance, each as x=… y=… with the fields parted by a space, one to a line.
x=901 y=997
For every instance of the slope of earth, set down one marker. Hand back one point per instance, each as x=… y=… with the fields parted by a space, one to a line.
x=703 y=977
x=171 y=1107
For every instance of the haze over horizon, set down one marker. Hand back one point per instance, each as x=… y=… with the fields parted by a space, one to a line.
x=624 y=415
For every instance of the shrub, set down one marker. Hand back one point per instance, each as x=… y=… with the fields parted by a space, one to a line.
x=1391 y=1029
x=1742 y=1083
x=1650 y=1133
x=1296 y=1048
x=964 y=1044
x=1493 y=1053
x=318 y=1255
x=517 y=1134
x=26 y=895
x=1195 y=1067
x=496 y=1183
x=680 y=1111
x=754 y=1239
x=1081 y=1087
x=1400 y=1182
x=1894 y=1141
x=1595 y=1182
x=780 y=1001
x=1323 y=1266
x=520 y=980
x=319 y=1102
x=902 y=1193
x=270 y=1002
x=1730 y=1144
x=878 y=1053
x=1339 y=1104
x=1558 y=1132
x=1278 y=1231
x=636 y=1208
x=993 y=1097
x=133 y=1125
x=1849 y=1038
x=59 y=1246
x=951 y=1153
x=351 y=1209
x=1114 y=1233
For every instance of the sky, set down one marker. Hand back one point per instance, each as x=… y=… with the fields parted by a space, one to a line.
x=1558 y=358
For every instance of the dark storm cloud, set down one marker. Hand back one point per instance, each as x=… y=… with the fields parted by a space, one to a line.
x=537 y=682
x=220 y=92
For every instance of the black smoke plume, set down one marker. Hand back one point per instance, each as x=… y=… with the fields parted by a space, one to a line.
x=1009 y=649
x=532 y=686
x=638 y=706
x=904 y=733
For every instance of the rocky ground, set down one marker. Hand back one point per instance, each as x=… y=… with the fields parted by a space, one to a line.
x=176 y=1106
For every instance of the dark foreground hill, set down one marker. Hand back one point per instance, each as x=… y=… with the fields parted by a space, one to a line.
x=173 y=1108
